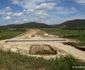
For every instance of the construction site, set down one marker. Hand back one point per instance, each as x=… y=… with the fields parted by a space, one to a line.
x=37 y=43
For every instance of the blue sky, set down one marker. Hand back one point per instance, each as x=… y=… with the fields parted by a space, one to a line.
x=46 y=11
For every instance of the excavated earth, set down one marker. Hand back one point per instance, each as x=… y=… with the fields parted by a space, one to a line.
x=38 y=43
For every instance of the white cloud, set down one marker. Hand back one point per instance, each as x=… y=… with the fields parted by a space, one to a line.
x=28 y=4
x=7 y=18
x=2 y=13
x=45 y=6
x=65 y=11
x=37 y=8
x=29 y=11
x=41 y=14
x=80 y=1
x=18 y=14
x=16 y=21
x=41 y=9
x=9 y=13
x=24 y=20
x=5 y=10
x=15 y=1
x=8 y=8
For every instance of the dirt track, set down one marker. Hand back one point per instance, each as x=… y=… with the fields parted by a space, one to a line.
x=36 y=34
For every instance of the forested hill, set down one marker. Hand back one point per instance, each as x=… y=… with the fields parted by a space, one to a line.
x=78 y=23
x=73 y=23
x=28 y=25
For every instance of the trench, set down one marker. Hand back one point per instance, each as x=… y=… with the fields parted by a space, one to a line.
x=74 y=45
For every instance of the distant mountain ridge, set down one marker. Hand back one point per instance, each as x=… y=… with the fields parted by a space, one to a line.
x=73 y=23
x=77 y=23
x=28 y=25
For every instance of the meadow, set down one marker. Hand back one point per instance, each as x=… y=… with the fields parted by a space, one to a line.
x=16 y=61
x=7 y=34
x=78 y=35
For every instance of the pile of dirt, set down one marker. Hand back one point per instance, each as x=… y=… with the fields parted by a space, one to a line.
x=42 y=49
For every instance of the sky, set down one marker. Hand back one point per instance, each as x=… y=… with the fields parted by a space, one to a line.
x=45 y=11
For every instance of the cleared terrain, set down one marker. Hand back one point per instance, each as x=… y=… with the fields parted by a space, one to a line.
x=52 y=48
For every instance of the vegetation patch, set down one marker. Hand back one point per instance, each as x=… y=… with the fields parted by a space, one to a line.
x=16 y=61
x=7 y=33
x=70 y=34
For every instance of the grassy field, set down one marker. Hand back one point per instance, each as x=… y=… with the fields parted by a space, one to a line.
x=16 y=61
x=72 y=34
x=6 y=34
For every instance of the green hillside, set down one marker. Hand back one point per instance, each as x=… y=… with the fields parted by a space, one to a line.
x=78 y=23
x=28 y=25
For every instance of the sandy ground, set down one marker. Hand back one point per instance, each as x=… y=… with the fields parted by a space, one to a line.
x=36 y=34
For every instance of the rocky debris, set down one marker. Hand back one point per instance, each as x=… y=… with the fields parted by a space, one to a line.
x=42 y=49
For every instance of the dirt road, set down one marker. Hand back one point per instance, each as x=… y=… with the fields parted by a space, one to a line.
x=36 y=34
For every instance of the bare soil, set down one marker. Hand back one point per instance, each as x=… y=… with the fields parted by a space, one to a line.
x=37 y=34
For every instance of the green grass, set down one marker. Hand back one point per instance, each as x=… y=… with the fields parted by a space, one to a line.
x=9 y=34
x=16 y=61
x=72 y=34
x=58 y=31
